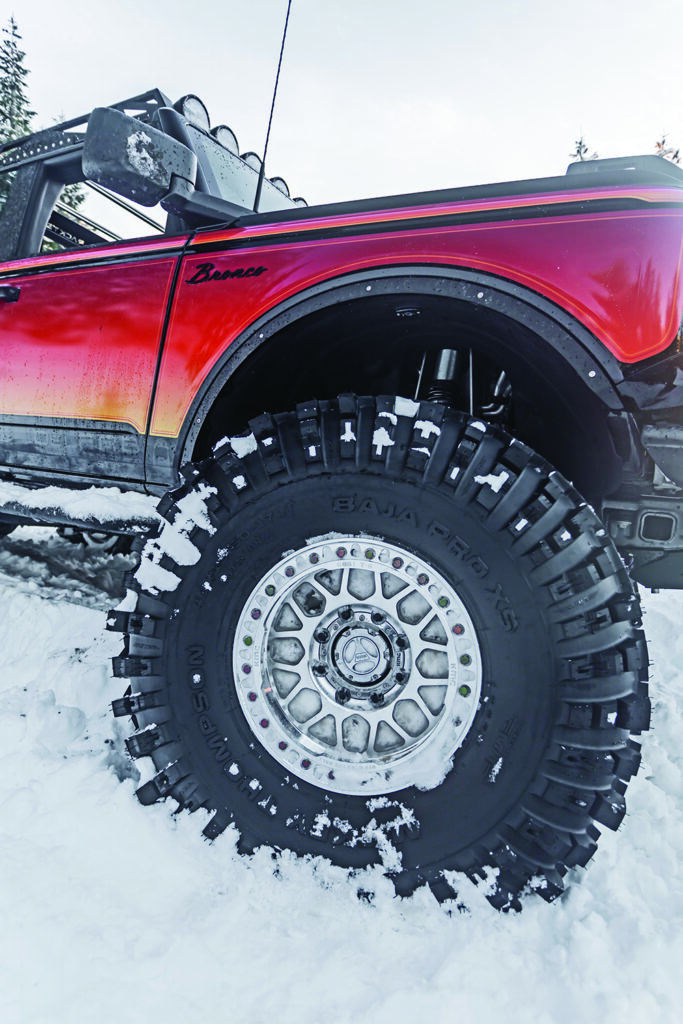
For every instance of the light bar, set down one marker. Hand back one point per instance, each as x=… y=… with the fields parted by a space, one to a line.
x=280 y=184
x=226 y=137
x=192 y=108
x=252 y=160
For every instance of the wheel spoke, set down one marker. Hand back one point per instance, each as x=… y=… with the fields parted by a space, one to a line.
x=357 y=661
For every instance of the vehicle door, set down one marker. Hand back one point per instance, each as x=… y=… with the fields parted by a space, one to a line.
x=81 y=325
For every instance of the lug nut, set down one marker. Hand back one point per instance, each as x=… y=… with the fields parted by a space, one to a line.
x=377 y=698
x=401 y=642
x=320 y=670
x=377 y=617
x=346 y=614
x=342 y=696
x=401 y=677
x=321 y=636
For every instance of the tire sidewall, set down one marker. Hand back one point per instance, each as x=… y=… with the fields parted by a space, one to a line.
x=497 y=762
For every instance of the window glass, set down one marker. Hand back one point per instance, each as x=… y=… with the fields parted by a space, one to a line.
x=85 y=214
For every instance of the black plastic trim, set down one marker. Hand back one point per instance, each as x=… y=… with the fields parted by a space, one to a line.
x=70 y=263
x=499 y=190
x=170 y=306
x=655 y=385
x=83 y=449
x=454 y=219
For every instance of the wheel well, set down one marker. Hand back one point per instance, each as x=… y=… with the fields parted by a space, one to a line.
x=389 y=344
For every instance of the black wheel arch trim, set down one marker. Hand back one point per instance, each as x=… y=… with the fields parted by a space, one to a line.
x=590 y=360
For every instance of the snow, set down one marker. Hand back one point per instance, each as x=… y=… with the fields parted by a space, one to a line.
x=140 y=156
x=115 y=912
x=98 y=505
x=381 y=439
x=242 y=446
x=427 y=428
x=494 y=482
x=406 y=407
x=174 y=541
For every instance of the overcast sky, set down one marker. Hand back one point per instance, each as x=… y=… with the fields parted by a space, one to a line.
x=379 y=97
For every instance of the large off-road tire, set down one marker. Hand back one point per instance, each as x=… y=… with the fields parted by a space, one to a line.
x=389 y=633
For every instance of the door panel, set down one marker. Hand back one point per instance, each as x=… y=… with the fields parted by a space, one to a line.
x=79 y=352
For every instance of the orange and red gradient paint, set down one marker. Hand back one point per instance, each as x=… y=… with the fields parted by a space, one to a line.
x=85 y=338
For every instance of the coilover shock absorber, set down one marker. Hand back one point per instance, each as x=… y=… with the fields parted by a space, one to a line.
x=451 y=372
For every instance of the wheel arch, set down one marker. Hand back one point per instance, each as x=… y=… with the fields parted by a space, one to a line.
x=366 y=332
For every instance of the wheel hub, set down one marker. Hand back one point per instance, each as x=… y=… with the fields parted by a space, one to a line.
x=359 y=657
x=357 y=667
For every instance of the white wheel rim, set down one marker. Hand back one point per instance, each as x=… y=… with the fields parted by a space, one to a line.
x=357 y=667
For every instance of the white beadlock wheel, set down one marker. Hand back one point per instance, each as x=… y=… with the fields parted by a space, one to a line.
x=358 y=667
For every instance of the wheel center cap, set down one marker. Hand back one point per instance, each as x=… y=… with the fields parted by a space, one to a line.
x=360 y=656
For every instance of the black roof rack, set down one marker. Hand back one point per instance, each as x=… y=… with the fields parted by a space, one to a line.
x=62 y=136
x=648 y=165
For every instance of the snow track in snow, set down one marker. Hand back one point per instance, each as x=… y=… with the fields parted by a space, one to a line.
x=115 y=912
x=45 y=563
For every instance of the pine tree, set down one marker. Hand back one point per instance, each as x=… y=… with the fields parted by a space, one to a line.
x=581 y=151
x=15 y=113
x=668 y=152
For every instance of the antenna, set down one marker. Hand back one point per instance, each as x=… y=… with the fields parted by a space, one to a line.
x=262 y=171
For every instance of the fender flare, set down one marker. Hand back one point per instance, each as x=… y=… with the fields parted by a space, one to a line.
x=584 y=354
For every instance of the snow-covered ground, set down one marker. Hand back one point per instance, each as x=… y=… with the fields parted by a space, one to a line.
x=111 y=912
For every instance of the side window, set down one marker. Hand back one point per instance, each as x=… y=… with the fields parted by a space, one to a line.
x=45 y=206
x=86 y=214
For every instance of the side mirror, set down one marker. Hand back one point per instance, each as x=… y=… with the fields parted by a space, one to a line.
x=134 y=160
